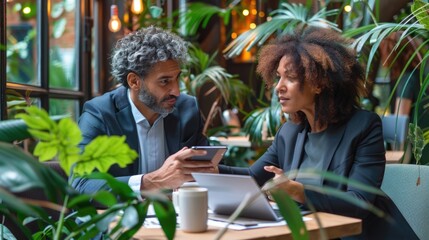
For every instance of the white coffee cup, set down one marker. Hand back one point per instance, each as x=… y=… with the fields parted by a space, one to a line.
x=193 y=205
x=175 y=200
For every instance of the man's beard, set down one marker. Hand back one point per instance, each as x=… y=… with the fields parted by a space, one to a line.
x=151 y=102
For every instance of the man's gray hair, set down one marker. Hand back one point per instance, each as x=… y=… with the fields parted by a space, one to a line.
x=138 y=51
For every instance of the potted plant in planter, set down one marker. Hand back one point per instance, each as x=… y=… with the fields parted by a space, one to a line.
x=76 y=215
x=414 y=25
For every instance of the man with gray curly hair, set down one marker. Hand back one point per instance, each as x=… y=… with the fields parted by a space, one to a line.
x=159 y=122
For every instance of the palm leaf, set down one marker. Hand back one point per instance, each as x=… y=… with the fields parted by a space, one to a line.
x=376 y=35
x=268 y=118
x=410 y=28
x=199 y=14
x=283 y=21
x=214 y=74
x=203 y=69
x=258 y=119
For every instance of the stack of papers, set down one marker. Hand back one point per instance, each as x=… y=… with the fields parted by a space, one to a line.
x=220 y=221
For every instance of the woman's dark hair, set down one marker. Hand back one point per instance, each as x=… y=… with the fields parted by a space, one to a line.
x=322 y=58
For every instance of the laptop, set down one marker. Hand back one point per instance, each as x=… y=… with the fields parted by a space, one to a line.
x=227 y=191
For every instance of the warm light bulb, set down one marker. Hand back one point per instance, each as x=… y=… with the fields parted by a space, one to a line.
x=114 y=22
x=137 y=6
x=26 y=10
x=348 y=8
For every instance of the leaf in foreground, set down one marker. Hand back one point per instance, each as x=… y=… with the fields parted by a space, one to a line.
x=110 y=149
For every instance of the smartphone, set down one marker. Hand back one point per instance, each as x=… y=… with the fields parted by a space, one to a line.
x=214 y=153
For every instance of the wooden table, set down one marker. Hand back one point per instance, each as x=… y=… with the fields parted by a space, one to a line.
x=335 y=226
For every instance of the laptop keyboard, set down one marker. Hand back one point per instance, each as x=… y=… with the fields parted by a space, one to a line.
x=278 y=213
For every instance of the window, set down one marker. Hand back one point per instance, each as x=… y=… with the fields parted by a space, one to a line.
x=44 y=55
x=55 y=53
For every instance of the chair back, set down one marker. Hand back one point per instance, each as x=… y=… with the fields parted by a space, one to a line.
x=395 y=130
x=412 y=200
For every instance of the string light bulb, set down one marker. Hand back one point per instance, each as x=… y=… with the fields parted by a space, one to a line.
x=114 y=22
x=137 y=6
x=347 y=8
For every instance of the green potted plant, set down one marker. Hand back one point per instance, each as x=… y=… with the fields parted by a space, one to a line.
x=205 y=79
x=22 y=172
x=413 y=25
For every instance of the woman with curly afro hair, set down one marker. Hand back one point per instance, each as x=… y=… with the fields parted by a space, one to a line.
x=319 y=83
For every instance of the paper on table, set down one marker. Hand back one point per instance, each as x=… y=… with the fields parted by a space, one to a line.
x=220 y=221
x=242 y=225
x=154 y=223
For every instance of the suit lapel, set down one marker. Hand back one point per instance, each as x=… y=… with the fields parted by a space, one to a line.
x=297 y=153
x=128 y=124
x=335 y=134
x=128 y=127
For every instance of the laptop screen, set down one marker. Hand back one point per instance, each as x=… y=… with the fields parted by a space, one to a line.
x=227 y=191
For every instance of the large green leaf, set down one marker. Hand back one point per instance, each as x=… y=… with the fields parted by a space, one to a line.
x=291 y=213
x=17 y=129
x=102 y=153
x=55 y=139
x=20 y=171
x=166 y=215
x=420 y=11
x=13 y=130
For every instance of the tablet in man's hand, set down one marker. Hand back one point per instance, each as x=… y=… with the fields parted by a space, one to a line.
x=214 y=153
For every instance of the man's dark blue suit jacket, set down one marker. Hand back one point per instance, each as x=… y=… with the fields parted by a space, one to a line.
x=110 y=114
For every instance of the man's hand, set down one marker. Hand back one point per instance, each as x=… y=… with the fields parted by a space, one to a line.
x=177 y=170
